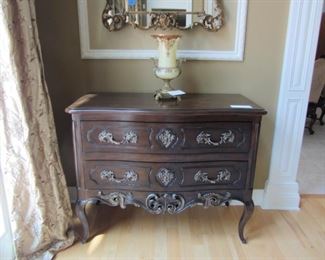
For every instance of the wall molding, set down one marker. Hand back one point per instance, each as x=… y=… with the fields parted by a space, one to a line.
x=281 y=188
x=236 y=54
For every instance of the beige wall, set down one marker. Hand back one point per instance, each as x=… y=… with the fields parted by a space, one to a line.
x=257 y=77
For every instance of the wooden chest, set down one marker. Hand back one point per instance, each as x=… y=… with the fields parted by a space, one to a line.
x=165 y=156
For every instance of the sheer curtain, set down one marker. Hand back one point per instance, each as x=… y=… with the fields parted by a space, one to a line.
x=34 y=182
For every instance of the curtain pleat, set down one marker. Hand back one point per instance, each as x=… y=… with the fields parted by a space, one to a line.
x=40 y=211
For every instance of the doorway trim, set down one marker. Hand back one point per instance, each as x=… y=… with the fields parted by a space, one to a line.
x=6 y=239
x=281 y=189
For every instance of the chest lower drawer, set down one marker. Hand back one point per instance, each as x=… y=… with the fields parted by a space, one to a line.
x=219 y=137
x=164 y=176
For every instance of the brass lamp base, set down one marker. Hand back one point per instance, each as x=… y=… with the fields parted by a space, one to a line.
x=162 y=94
x=166 y=74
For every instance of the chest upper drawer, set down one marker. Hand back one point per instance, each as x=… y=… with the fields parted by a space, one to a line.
x=223 y=137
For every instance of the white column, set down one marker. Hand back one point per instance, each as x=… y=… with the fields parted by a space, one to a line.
x=281 y=189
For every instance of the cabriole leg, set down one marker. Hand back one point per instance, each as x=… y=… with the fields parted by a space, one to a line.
x=311 y=124
x=247 y=213
x=322 y=115
x=81 y=213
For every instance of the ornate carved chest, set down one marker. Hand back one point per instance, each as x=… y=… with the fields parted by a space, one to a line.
x=165 y=157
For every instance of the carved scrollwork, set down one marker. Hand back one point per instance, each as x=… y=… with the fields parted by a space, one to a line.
x=205 y=138
x=165 y=177
x=118 y=199
x=106 y=136
x=128 y=177
x=164 y=203
x=166 y=138
x=163 y=20
x=213 y=23
x=160 y=204
x=213 y=199
x=222 y=176
x=113 y=22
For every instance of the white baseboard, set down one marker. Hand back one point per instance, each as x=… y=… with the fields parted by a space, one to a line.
x=281 y=196
x=257 y=196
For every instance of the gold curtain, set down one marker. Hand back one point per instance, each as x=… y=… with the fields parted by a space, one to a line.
x=39 y=206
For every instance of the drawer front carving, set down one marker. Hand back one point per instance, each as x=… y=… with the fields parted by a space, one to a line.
x=225 y=138
x=129 y=176
x=116 y=174
x=230 y=174
x=106 y=136
x=165 y=177
x=223 y=175
x=114 y=137
x=167 y=138
x=161 y=176
x=222 y=137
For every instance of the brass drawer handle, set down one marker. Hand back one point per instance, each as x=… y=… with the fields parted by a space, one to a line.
x=106 y=136
x=205 y=138
x=129 y=176
x=203 y=177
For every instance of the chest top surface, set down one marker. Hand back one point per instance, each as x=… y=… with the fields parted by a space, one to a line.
x=223 y=103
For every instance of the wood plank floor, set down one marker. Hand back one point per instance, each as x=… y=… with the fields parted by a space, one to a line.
x=205 y=234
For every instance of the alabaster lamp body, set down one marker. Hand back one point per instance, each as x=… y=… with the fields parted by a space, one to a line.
x=167 y=67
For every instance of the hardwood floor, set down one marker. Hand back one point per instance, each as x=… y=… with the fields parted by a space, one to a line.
x=205 y=234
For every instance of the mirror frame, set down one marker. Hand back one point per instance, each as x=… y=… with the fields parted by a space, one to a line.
x=162 y=20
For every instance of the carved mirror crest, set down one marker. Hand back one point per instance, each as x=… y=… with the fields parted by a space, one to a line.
x=163 y=14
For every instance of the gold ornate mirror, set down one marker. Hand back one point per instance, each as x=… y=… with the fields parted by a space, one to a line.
x=163 y=14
